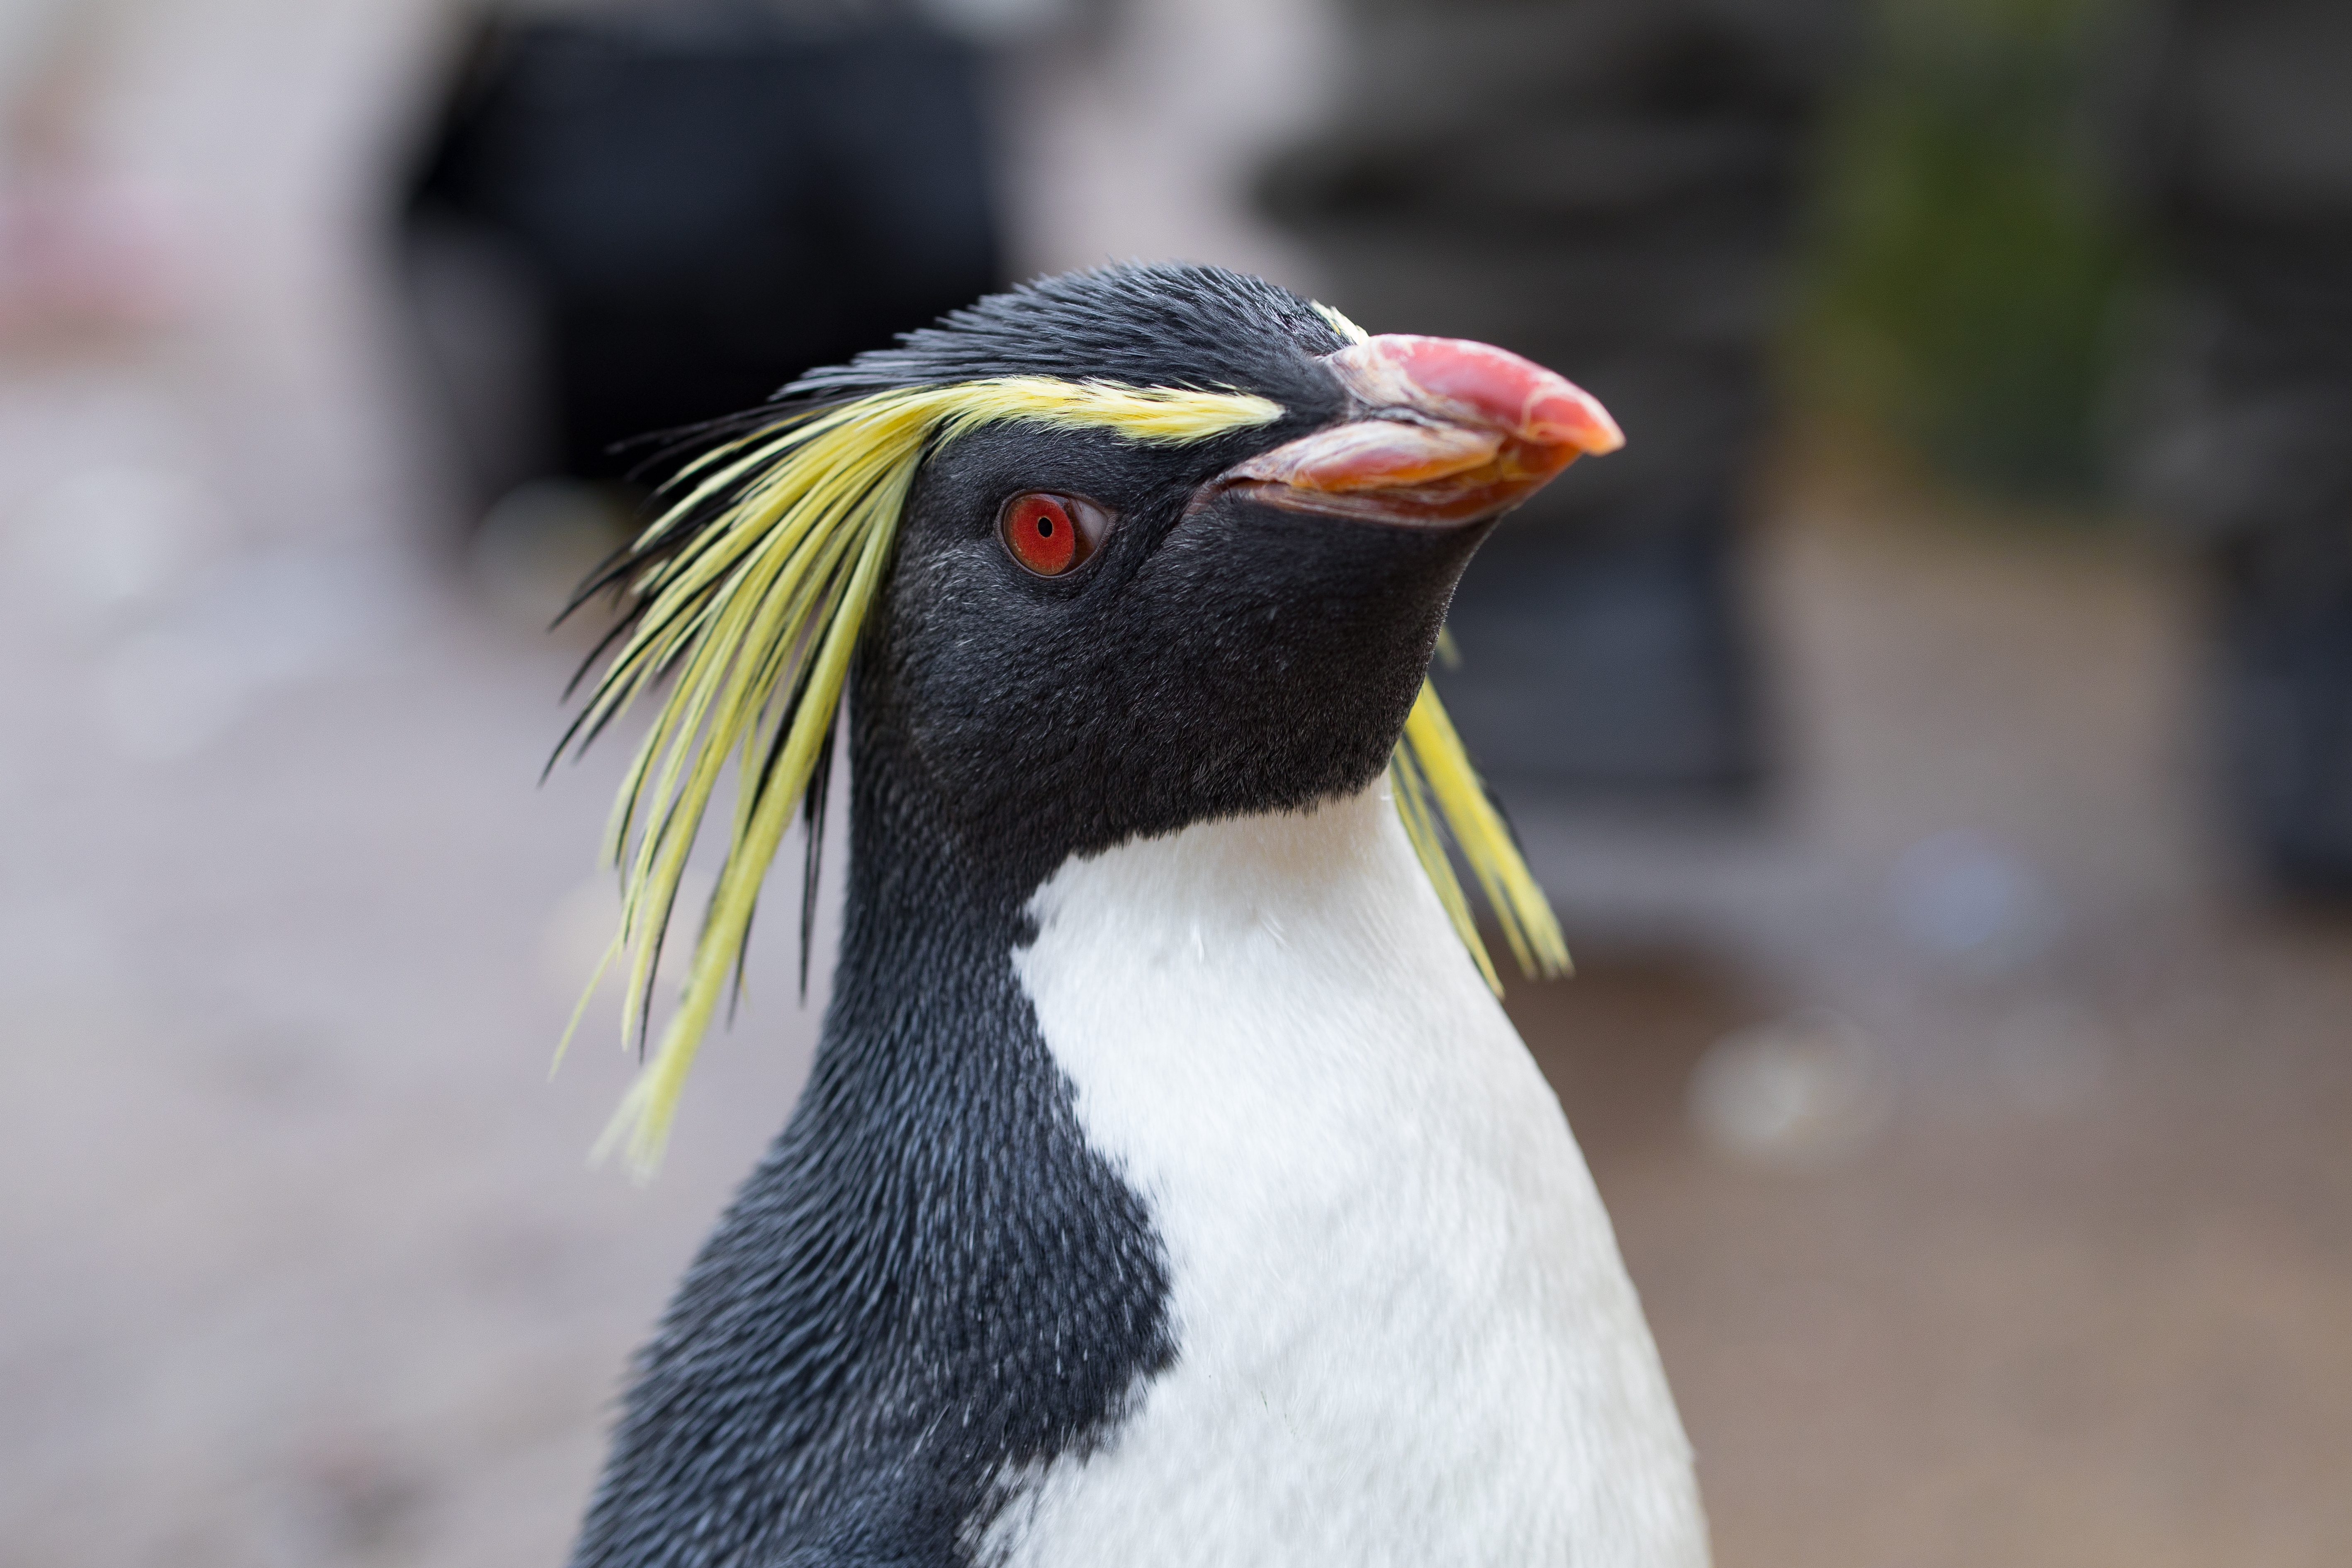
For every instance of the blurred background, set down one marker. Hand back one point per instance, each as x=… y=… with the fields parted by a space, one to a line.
x=1935 y=728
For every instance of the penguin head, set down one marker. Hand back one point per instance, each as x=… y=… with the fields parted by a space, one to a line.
x=1108 y=554
x=1090 y=634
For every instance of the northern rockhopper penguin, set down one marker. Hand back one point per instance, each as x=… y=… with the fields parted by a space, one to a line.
x=1169 y=1187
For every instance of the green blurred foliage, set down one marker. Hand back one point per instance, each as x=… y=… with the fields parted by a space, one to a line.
x=1970 y=266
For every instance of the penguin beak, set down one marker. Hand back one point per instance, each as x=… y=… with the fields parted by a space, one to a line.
x=1440 y=432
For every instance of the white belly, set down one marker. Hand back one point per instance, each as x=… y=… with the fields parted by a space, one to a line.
x=1404 y=1333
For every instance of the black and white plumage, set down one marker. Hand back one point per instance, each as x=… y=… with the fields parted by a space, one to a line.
x=1169 y=1187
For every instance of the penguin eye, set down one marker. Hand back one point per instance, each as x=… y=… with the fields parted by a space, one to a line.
x=1050 y=535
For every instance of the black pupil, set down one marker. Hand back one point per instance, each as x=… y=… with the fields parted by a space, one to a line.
x=1044 y=525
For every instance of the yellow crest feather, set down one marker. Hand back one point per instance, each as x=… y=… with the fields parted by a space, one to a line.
x=752 y=587
x=1439 y=795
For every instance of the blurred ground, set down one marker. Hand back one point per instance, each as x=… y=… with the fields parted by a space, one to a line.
x=1977 y=1143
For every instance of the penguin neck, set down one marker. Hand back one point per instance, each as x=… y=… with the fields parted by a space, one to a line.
x=929 y=889
x=923 y=898
x=933 y=892
x=1251 y=889
x=1264 y=924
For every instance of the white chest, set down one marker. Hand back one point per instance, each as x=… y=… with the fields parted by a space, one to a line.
x=1404 y=1333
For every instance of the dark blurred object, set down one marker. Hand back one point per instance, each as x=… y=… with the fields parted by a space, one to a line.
x=1974 y=262
x=2285 y=689
x=1609 y=187
x=2246 y=153
x=640 y=218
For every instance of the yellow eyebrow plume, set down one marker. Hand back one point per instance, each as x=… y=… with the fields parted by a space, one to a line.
x=1439 y=795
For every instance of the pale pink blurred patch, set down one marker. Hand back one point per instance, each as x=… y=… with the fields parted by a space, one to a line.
x=84 y=251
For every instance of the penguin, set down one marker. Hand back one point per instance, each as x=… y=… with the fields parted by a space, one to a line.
x=1170 y=1188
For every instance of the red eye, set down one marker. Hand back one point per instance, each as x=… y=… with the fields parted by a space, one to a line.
x=1049 y=534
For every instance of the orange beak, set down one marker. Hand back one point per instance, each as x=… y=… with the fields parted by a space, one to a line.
x=1440 y=431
